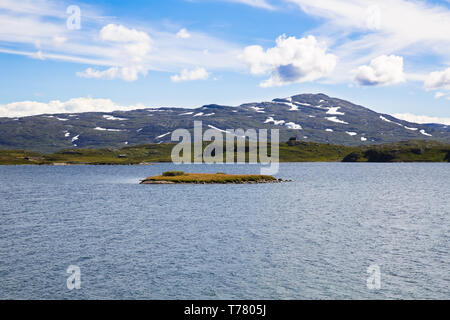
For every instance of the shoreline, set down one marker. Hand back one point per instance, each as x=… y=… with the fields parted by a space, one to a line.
x=165 y=162
x=409 y=152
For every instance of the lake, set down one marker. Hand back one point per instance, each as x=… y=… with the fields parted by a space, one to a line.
x=313 y=238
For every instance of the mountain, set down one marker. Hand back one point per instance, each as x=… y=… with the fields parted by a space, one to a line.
x=308 y=117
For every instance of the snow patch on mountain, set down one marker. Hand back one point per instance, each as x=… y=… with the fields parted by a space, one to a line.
x=292 y=106
x=110 y=117
x=257 y=109
x=336 y=120
x=401 y=125
x=163 y=135
x=303 y=104
x=224 y=131
x=334 y=111
x=294 y=126
x=275 y=122
x=105 y=129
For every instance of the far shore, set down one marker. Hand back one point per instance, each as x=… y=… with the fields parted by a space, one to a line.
x=292 y=151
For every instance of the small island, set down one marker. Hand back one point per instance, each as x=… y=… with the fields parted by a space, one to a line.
x=172 y=177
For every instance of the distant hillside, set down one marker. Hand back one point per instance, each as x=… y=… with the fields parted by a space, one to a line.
x=308 y=117
x=292 y=151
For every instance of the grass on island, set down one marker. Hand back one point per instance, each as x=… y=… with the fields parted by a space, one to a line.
x=220 y=177
x=292 y=151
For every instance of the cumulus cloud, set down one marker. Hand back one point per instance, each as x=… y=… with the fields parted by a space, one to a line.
x=438 y=80
x=361 y=30
x=183 y=34
x=421 y=119
x=384 y=70
x=119 y=33
x=75 y=105
x=189 y=75
x=291 y=60
x=132 y=45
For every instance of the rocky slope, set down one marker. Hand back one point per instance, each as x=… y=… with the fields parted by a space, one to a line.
x=308 y=117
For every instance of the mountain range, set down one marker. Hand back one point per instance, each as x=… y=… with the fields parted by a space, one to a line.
x=307 y=117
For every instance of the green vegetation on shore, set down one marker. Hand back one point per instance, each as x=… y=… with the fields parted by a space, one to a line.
x=171 y=177
x=292 y=151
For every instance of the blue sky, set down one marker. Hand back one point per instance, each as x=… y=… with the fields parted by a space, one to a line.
x=392 y=56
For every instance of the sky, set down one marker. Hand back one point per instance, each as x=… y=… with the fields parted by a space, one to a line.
x=392 y=56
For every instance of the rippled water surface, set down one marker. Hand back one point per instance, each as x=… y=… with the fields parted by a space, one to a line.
x=313 y=238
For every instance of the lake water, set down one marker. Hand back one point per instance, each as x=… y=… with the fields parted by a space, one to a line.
x=313 y=238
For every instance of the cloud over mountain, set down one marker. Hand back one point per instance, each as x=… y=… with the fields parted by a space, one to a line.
x=291 y=60
x=75 y=105
x=438 y=80
x=384 y=70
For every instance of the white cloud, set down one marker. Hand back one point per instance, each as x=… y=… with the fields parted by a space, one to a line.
x=189 y=75
x=361 y=30
x=438 y=95
x=383 y=70
x=124 y=73
x=421 y=119
x=291 y=60
x=42 y=7
x=133 y=46
x=263 y=4
x=119 y=33
x=104 y=45
x=438 y=80
x=38 y=55
x=59 y=40
x=107 y=74
x=75 y=105
x=183 y=34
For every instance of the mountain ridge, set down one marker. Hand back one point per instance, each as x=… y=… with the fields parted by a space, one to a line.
x=308 y=117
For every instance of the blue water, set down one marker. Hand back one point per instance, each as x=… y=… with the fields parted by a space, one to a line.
x=313 y=238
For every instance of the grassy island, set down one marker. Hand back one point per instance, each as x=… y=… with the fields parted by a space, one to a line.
x=172 y=177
